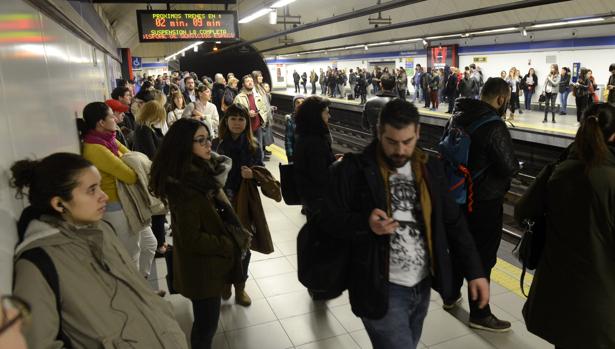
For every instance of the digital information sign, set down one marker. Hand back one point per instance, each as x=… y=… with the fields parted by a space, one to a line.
x=166 y=25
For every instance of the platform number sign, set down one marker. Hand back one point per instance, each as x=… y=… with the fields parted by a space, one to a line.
x=136 y=63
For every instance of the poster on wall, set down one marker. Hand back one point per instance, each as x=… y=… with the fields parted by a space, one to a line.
x=409 y=66
x=279 y=73
x=480 y=59
x=334 y=64
x=441 y=56
x=576 y=69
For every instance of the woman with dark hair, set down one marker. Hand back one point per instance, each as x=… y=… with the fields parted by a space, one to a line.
x=577 y=199
x=529 y=83
x=551 y=88
x=84 y=290
x=564 y=90
x=176 y=105
x=312 y=152
x=209 y=242
x=581 y=93
x=237 y=142
x=203 y=109
x=514 y=83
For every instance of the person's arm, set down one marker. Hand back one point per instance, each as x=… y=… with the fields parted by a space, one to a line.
x=500 y=151
x=106 y=161
x=191 y=235
x=31 y=286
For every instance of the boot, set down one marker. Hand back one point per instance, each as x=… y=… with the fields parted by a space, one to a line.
x=545 y=119
x=241 y=297
x=553 y=118
x=226 y=292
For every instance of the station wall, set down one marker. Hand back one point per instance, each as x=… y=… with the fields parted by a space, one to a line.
x=47 y=76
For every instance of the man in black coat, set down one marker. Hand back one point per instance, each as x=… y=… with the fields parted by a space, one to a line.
x=391 y=203
x=374 y=106
x=217 y=92
x=296 y=78
x=492 y=160
x=451 y=90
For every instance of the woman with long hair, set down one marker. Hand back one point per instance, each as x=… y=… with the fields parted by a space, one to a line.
x=564 y=90
x=513 y=81
x=529 y=83
x=551 y=88
x=237 y=142
x=434 y=86
x=259 y=86
x=70 y=266
x=593 y=87
x=208 y=239
x=581 y=92
x=577 y=199
x=203 y=109
x=176 y=106
x=312 y=152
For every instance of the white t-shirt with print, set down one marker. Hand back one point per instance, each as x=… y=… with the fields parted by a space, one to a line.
x=409 y=259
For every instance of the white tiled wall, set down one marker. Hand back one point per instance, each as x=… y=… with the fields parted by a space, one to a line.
x=47 y=76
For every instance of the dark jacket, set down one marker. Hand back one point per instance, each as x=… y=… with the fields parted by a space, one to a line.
x=372 y=109
x=217 y=93
x=529 y=87
x=468 y=87
x=313 y=156
x=578 y=261
x=611 y=97
x=187 y=99
x=229 y=96
x=296 y=77
x=205 y=252
x=564 y=83
x=304 y=78
x=491 y=146
x=451 y=85
x=238 y=150
x=356 y=188
x=289 y=137
x=425 y=78
x=147 y=140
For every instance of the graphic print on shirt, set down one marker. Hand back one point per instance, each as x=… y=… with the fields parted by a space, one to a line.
x=408 y=258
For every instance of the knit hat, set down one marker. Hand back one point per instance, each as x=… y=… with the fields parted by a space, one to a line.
x=297 y=97
x=116 y=105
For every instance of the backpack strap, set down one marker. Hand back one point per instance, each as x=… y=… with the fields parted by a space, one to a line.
x=43 y=262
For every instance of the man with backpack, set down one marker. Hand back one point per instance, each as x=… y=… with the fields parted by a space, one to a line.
x=391 y=204
x=479 y=159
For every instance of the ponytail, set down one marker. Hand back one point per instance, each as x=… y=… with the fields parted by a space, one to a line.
x=92 y=114
x=597 y=126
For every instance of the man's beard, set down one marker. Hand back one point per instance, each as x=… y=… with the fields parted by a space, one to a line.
x=396 y=161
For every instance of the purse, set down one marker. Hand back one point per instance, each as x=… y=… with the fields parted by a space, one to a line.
x=542 y=98
x=290 y=194
x=529 y=249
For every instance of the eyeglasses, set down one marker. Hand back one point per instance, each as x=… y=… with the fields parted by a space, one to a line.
x=203 y=141
x=17 y=306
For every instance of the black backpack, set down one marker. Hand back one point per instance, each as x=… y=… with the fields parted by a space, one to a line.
x=43 y=262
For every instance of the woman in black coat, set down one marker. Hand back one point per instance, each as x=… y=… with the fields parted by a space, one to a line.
x=312 y=152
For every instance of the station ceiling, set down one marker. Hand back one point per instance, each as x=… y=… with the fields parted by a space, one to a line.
x=123 y=21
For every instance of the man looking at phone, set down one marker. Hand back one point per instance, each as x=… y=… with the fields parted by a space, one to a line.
x=392 y=203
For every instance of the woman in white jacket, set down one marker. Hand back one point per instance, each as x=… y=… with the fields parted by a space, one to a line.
x=551 y=89
x=202 y=109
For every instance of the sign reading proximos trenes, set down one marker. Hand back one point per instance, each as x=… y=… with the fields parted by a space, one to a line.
x=163 y=25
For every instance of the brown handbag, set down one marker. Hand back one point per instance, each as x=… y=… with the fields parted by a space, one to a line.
x=270 y=187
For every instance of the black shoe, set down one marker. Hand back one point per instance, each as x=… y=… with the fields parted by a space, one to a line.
x=451 y=304
x=544 y=120
x=520 y=111
x=490 y=323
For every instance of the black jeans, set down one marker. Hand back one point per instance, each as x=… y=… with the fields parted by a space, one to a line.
x=158 y=229
x=550 y=102
x=206 y=315
x=485 y=224
x=582 y=104
x=514 y=102
x=297 y=88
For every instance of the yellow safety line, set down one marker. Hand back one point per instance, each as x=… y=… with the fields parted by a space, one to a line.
x=504 y=273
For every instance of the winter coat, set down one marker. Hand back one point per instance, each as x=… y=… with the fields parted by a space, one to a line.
x=217 y=93
x=564 y=83
x=425 y=79
x=578 y=261
x=229 y=96
x=296 y=77
x=402 y=82
x=451 y=85
x=110 y=166
x=206 y=252
x=611 y=97
x=552 y=84
x=434 y=82
x=357 y=186
x=147 y=140
x=468 y=87
x=313 y=155
x=240 y=154
x=260 y=101
x=529 y=87
x=491 y=148
x=289 y=136
x=106 y=302
x=304 y=78
x=372 y=109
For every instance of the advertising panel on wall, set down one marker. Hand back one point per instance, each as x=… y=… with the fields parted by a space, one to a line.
x=280 y=72
x=409 y=66
x=441 y=56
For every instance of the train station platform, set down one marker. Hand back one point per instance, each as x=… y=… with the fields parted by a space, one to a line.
x=283 y=315
x=527 y=127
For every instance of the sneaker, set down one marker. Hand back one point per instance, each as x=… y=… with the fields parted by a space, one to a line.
x=490 y=323
x=448 y=305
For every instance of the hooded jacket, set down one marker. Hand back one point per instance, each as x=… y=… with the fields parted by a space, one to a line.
x=372 y=109
x=491 y=148
x=578 y=261
x=358 y=185
x=106 y=303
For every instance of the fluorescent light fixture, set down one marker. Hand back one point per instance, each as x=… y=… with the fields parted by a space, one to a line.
x=183 y=51
x=524 y=32
x=406 y=40
x=218 y=42
x=501 y=30
x=380 y=43
x=273 y=17
x=282 y=3
x=255 y=15
x=443 y=36
x=577 y=21
x=424 y=42
x=366 y=48
x=196 y=49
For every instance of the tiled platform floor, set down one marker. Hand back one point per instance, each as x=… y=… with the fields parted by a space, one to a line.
x=282 y=314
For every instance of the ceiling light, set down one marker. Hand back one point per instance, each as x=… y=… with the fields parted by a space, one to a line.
x=183 y=50
x=508 y=29
x=218 y=42
x=443 y=36
x=215 y=48
x=380 y=43
x=366 y=48
x=282 y=3
x=406 y=40
x=524 y=32
x=196 y=49
x=255 y=15
x=577 y=21
x=273 y=17
x=424 y=42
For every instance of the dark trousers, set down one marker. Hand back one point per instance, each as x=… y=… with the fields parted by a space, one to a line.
x=304 y=89
x=427 y=97
x=434 y=99
x=297 y=88
x=313 y=88
x=402 y=94
x=158 y=229
x=451 y=103
x=485 y=224
x=206 y=315
x=514 y=102
x=550 y=103
x=582 y=104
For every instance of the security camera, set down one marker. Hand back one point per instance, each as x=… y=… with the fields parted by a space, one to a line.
x=574 y=33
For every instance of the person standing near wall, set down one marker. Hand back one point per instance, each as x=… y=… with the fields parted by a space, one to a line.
x=323 y=82
x=564 y=90
x=611 y=85
x=551 y=87
x=402 y=83
x=581 y=93
x=313 y=81
x=304 y=79
x=529 y=82
x=416 y=82
x=451 y=89
x=296 y=79
x=513 y=82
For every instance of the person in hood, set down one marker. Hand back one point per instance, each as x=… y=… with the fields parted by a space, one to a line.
x=104 y=299
x=209 y=242
x=491 y=156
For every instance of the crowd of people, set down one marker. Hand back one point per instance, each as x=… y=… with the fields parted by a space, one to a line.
x=192 y=152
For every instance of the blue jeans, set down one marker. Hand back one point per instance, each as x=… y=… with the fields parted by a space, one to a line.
x=402 y=325
x=563 y=100
x=528 y=99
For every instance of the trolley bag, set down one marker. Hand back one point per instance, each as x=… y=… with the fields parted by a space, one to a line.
x=290 y=194
x=454 y=149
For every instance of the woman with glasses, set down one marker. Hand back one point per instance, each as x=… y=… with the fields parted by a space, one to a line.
x=66 y=252
x=237 y=142
x=209 y=242
x=15 y=315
